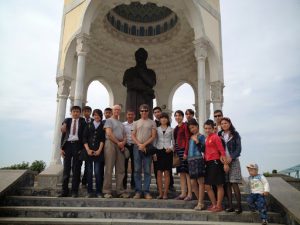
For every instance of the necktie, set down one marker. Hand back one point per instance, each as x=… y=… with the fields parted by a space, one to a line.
x=74 y=127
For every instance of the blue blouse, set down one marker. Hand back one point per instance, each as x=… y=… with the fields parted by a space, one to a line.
x=196 y=149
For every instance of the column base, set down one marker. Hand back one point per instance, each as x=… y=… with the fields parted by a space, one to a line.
x=50 y=177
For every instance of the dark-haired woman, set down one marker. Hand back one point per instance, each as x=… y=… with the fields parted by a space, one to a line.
x=93 y=139
x=164 y=144
x=232 y=143
x=181 y=137
x=214 y=158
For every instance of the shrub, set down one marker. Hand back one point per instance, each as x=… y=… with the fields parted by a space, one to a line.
x=19 y=166
x=38 y=165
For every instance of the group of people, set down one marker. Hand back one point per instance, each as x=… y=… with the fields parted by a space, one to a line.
x=207 y=162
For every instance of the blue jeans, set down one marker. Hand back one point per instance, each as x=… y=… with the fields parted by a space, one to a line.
x=258 y=202
x=139 y=160
x=96 y=164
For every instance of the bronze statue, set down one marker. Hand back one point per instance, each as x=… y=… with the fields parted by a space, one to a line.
x=139 y=81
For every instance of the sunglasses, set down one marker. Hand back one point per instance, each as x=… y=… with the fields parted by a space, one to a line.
x=217 y=116
x=144 y=110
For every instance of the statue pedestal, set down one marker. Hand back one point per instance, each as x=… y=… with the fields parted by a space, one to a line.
x=50 y=177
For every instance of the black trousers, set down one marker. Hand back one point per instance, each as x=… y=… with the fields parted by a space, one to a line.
x=130 y=148
x=71 y=162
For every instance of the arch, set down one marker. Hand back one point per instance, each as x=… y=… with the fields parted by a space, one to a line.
x=105 y=84
x=97 y=95
x=175 y=88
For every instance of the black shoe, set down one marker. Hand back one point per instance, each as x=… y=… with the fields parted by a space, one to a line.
x=63 y=195
x=264 y=222
x=238 y=211
x=90 y=195
x=229 y=210
x=99 y=195
x=75 y=195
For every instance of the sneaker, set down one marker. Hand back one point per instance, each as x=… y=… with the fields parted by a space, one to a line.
x=137 y=196
x=148 y=196
x=124 y=195
x=107 y=196
x=264 y=222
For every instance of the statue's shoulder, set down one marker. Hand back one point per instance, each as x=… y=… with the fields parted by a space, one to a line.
x=130 y=70
x=150 y=71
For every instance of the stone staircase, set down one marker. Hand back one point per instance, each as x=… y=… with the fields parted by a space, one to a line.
x=33 y=205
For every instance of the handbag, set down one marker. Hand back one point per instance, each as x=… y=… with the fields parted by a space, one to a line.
x=176 y=160
x=150 y=150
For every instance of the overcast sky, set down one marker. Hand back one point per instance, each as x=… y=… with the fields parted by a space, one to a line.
x=261 y=54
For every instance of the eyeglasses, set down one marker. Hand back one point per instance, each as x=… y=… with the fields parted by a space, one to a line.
x=217 y=116
x=144 y=110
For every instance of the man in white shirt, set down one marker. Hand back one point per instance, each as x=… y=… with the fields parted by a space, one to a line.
x=130 y=115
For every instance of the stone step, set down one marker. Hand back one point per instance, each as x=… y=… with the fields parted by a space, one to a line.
x=101 y=202
x=97 y=221
x=133 y=213
x=53 y=192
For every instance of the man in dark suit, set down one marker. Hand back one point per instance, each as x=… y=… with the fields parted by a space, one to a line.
x=71 y=150
x=86 y=113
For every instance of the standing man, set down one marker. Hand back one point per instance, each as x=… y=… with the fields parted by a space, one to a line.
x=114 y=154
x=86 y=112
x=218 y=115
x=71 y=149
x=143 y=133
x=107 y=114
x=130 y=115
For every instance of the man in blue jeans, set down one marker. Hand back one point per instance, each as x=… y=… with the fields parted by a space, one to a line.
x=143 y=133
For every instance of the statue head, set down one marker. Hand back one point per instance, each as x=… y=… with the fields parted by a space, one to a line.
x=141 y=55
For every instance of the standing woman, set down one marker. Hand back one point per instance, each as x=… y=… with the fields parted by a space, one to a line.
x=196 y=162
x=232 y=143
x=164 y=144
x=93 y=139
x=182 y=136
x=214 y=157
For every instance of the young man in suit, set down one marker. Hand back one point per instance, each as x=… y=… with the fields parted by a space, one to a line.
x=86 y=113
x=71 y=150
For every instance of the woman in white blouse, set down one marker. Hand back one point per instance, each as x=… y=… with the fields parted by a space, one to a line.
x=164 y=144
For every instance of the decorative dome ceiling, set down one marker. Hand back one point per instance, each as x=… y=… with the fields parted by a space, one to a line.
x=142 y=20
x=146 y=13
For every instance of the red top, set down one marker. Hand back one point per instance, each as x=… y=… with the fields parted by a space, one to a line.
x=213 y=147
x=182 y=136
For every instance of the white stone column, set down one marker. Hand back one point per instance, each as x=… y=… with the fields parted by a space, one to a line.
x=216 y=88
x=62 y=97
x=81 y=50
x=51 y=176
x=201 y=54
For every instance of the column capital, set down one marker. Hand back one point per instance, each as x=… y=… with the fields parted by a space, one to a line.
x=216 y=88
x=201 y=48
x=63 y=90
x=82 y=47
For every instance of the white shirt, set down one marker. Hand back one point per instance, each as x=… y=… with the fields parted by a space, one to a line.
x=258 y=184
x=96 y=124
x=71 y=136
x=128 y=130
x=165 y=139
